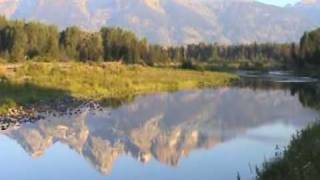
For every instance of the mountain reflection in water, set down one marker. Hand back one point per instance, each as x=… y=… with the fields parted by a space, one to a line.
x=167 y=126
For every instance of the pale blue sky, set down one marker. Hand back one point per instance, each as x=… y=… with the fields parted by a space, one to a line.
x=279 y=2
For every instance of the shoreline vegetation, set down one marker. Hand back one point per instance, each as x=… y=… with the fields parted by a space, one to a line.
x=31 y=83
x=300 y=160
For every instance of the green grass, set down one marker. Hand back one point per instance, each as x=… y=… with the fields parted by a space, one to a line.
x=29 y=83
x=301 y=160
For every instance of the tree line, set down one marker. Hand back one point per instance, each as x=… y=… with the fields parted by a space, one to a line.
x=21 y=41
x=310 y=48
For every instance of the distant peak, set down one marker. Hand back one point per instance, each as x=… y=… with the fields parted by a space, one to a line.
x=309 y=2
x=154 y=4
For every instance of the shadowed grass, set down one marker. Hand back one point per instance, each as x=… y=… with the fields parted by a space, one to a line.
x=13 y=95
x=31 y=82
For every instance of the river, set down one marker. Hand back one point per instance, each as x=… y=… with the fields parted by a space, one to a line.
x=213 y=134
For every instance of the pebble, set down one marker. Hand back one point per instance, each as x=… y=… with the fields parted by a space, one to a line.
x=20 y=115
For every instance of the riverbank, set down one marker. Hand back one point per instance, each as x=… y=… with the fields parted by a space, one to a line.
x=299 y=161
x=30 y=83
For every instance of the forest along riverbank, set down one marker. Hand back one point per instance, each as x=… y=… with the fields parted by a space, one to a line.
x=30 y=87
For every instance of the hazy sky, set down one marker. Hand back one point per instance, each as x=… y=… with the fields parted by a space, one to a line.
x=279 y=2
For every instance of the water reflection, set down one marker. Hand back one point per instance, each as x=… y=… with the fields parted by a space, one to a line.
x=278 y=76
x=169 y=126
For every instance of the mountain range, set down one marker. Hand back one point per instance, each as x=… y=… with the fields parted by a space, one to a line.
x=177 y=21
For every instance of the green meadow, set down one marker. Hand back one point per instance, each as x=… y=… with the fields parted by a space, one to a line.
x=30 y=83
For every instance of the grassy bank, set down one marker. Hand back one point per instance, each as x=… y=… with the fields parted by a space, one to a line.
x=29 y=83
x=300 y=161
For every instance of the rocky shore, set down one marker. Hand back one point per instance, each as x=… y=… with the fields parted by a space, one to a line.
x=18 y=116
x=22 y=115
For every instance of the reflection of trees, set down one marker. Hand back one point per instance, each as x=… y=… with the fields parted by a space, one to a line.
x=260 y=84
x=309 y=94
x=163 y=126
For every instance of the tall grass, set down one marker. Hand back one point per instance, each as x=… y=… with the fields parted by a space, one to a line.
x=301 y=160
x=2 y=70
